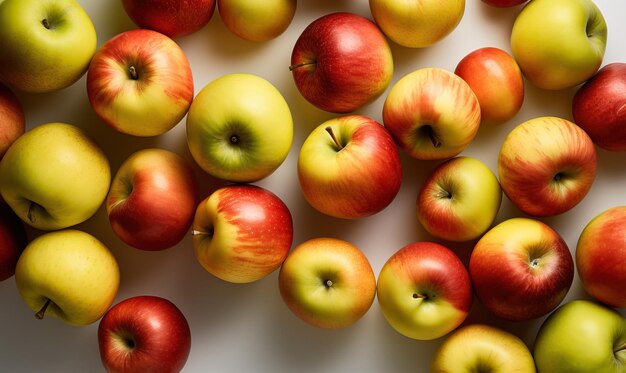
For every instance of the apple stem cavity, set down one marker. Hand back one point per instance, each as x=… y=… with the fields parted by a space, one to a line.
x=39 y=315
x=335 y=139
x=132 y=72
x=302 y=64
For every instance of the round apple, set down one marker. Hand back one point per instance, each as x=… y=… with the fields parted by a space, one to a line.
x=257 y=20
x=173 y=18
x=12 y=119
x=13 y=240
x=504 y=3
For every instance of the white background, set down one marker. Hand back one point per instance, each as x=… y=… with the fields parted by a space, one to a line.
x=248 y=328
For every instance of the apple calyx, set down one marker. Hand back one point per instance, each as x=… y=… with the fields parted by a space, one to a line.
x=301 y=64
x=40 y=314
x=335 y=139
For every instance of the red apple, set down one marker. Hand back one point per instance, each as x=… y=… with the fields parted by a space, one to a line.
x=13 y=240
x=521 y=269
x=170 y=17
x=152 y=200
x=12 y=120
x=144 y=334
x=497 y=81
x=504 y=3
x=341 y=62
x=599 y=107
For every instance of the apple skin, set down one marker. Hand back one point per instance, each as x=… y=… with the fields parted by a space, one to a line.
x=12 y=118
x=497 y=81
x=417 y=24
x=546 y=166
x=242 y=233
x=599 y=107
x=480 y=347
x=239 y=128
x=13 y=240
x=37 y=58
x=358 y=179
x=140 y=74
x=459 y=200
x=341 y=62
x=521 y=269
x=327 y=282
x=559 y=44
x=144 y=334
x=424 y=291
x=68 y=274
x=601 y=256
x=504 y=3
x=258 y=21
x=580 y=337
x=54 y=176
x=173 y=18
x=152 y=199
x=432 y=114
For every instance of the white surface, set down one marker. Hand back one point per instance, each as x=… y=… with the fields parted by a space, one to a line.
x=247 y=328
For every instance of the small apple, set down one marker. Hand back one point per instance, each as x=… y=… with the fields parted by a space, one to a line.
x=341 y=62
x=242 y=233
x=68 y=274
x=140 y=83
x=504 y=3
x=432 y=114
x=559 y=44
x=327 y=282
x=173 y=18
x=152 y=200
x=349 y=167
x=239 y=128
x=12 y=119
x=581 y=337
x=13 y=240
x=546 y=166
x=257 y=20
x=144 y=334
x=521 y=269
x=459 y=200
x=599 y=107
x=424 y=291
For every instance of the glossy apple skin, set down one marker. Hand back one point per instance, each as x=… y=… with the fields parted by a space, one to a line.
x=258 y=21
x=497 y=81
x=152 y=199
x=358 y=180
x=504 y=3
x=173 y=18
x=140 y=74
x=599 y=107
x=521 y=269
x=424 y=291
x=341 y=62
x=12 y=118
x=13 y=240
x=327 y=282
x=546 y=166
x=432 y=114
x=242 y=233
x=601 y=257
x=144 y=334
x=459 y=200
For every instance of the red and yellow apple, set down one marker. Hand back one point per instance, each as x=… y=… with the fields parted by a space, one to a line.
x=173 y=18
x=12 y=118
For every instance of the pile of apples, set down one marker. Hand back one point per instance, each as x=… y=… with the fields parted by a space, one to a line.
x=239 y=131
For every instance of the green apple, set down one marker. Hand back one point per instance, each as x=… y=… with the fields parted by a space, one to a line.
x=239 y=128
x=54 y=176
x=559 y=44
x=68 y=274
x=582 y=336
x=46 y=44
x=257 y=20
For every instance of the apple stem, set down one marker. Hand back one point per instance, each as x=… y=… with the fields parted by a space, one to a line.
x=39 y=315
x=31 y=214
x=295 y=66
x=133 y=73
x=419 y=296
x=335 y=139
x=328 y=283
x=433 y=138
x=45 y=23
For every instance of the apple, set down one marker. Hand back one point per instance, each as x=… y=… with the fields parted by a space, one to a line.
x=459 y=200
x=581 y=336
x=424 y=291
x=173 y=18
x=327 y=282
x=239 y=128
x=559 y=44
x=54 y=176
x=13 y=240
x=46 y=44
x=258 y=21
x=504 y=3
x=482 y=348
x=599 y=107
x=417 y=24
x=140 y=83
x=12 y=119
x=432 y=114
x=68 y=274
x=242 y=233
x=497 y=81
x=341 y=62
x=349 y=167
x=521 y=269
x=152 y=199
x=546 y=166
x=601 y=256
x=144 y=334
